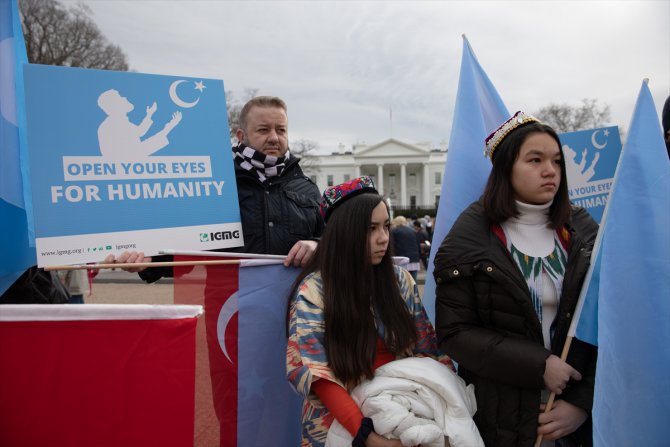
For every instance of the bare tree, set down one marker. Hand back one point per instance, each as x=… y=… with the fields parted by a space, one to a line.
x=567 y=118
x=56 y=35
x=306 y=150
x=234 y=107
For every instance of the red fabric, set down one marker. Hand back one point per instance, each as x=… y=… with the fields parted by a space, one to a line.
x=498 y=231
x=337 y=399
x=97 y=383
x=339 y=403
x=90 y=274
x=383 y=356
x=216 y=381
x=564 y=237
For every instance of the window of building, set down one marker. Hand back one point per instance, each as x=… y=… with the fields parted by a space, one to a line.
x=347 y=177
x=313 y=178
x=438 y=178
x=330 y=179
x=412 y=201
x=437 y=201
x=392 y=181
x=412 y=179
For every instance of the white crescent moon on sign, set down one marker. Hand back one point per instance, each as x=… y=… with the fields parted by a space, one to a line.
x=227 y=311
x=594 y=143
x=176 y=99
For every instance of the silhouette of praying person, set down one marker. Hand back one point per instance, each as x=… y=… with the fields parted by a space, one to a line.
x=578 y=173
x=121 y=139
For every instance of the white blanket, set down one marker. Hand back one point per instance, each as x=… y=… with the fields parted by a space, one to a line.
x=419 y=401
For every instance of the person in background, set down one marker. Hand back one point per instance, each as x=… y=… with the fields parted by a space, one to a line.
x=404 y=243
x=350 y=312
x=76 y=283
x=429 y=226
x=36 y=286
x=508 y=277
x=423 y=240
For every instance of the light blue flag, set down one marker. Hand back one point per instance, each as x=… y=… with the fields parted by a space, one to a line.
x=632 y=392
x=479 y=111
x=586 y=315
x=17 y=253
x=268 y=409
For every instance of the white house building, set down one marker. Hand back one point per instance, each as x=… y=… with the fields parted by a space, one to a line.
x=408 y=174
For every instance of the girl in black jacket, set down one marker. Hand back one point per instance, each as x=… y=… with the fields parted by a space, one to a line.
x=508 y=277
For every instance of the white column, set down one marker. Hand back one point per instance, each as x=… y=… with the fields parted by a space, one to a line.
x=380 y=178
x=357 y=170
x=426 y=185
x=403 y=184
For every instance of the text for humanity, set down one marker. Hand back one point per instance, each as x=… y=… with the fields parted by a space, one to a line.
x=135 y=191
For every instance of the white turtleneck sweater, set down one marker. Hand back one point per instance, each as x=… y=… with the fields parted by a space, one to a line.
x=531 y=235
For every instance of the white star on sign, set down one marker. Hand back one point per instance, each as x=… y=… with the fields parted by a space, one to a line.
x=200 y=86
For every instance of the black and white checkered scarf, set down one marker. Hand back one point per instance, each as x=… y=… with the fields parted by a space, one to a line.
x=264 y=166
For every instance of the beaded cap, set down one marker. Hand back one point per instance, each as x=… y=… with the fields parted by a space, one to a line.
x=335 y=195
x=493 y=140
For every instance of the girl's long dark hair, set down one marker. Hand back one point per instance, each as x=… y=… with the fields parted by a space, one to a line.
x=355 y=291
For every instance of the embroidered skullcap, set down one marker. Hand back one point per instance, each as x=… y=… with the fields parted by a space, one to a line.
x=334 y=196
x=493 y=141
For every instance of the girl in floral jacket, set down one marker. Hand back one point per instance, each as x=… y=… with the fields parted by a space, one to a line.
x=351 y=311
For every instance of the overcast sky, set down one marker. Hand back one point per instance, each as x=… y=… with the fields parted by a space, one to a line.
x=341 y=65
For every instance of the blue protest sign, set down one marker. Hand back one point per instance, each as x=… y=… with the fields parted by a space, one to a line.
x=591 y=157
x=128 y=161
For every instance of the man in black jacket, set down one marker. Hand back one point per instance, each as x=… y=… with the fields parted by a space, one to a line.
x=278 y=203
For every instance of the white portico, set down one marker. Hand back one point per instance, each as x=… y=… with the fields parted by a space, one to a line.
x=409 y=174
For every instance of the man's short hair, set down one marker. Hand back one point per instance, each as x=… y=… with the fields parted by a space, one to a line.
x=260 y=101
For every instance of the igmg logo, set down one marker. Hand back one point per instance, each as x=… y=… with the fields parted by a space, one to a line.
x=219 y=236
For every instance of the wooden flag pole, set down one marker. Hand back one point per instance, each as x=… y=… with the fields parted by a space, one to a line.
x=117 y=265
x=552 y=396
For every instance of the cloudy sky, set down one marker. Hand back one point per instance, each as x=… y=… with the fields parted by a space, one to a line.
x=341 y=65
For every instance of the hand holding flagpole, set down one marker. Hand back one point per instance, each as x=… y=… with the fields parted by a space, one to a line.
x=552 y=396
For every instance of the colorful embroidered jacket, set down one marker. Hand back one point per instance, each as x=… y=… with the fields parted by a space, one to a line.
x=306 y=356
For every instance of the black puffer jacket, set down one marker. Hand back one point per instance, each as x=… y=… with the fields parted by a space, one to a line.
x=486 y=322
x=274 y=215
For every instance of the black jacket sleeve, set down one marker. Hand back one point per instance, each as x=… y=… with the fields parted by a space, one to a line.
x=484 y=351
x=153 y=274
